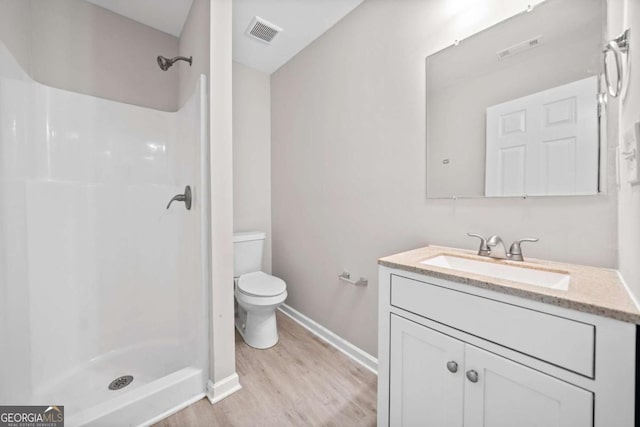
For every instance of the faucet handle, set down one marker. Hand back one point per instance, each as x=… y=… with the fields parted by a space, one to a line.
x=515 y=251
x=483 y=250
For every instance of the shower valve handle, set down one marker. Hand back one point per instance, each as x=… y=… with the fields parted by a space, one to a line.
x=186 y=198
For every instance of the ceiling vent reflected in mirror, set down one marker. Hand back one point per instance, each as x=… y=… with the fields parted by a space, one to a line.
x=519 y=48
x=262 y=30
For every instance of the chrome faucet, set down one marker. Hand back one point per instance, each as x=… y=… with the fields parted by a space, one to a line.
x=494 y=247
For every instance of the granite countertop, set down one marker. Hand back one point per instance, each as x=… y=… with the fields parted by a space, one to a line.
x=592 y=290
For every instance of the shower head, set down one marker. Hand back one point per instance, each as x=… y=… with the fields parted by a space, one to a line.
x=166 y=63
x=163 y=63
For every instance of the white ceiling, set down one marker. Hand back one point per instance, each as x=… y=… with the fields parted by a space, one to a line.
x=302 y=22
x=164 y=15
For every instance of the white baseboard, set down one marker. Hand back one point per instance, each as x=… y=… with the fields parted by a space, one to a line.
x=356 y=354
x=223 y=388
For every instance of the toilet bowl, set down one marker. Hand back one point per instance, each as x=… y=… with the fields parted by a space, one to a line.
x=257 y=293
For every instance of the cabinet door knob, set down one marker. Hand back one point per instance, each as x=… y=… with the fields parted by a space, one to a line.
x=452 y=366
x=472 y=376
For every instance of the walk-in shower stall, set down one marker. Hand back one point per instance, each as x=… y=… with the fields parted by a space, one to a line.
x=102 y=287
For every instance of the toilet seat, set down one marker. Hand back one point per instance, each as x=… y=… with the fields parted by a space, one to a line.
x=260 y=284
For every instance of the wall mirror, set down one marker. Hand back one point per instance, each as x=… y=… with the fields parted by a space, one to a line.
x=513 y=111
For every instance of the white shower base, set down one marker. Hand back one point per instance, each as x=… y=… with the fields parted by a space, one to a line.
x=159 y=383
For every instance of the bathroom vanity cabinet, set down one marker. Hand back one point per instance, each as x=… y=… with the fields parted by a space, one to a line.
x=429 y=369
x=455 y=354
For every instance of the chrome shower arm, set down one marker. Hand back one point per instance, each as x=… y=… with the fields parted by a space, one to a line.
x=182 y=58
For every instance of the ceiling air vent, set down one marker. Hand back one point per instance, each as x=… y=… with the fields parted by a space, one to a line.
x=263 y=30
x=520 y=47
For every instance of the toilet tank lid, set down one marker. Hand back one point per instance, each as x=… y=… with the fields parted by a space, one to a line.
x=245 y=236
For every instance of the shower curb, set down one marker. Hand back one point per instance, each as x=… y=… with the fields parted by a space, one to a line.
x=173 y=410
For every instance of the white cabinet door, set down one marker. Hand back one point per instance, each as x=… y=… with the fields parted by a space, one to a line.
x=545 y=143
x=508 y=394
x=423 y=390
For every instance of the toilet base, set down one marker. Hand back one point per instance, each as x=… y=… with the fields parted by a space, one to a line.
x=257 y=324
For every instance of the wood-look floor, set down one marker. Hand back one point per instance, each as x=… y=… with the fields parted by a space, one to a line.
x=302 y=381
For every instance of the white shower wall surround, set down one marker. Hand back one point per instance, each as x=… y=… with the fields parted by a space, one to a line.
x=98 y=278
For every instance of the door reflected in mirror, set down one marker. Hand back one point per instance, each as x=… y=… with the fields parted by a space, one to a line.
x=514 y=110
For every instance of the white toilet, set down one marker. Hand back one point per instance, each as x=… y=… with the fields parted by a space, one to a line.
x=258 y=294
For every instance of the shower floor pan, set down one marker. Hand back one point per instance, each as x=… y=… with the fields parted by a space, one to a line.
x=152 y=394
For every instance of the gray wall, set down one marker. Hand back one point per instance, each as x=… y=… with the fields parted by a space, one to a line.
x=348 y=165
x=194 y=41
x=78 y=46
x=252 y=153
x=629 y=196
x=15 y=33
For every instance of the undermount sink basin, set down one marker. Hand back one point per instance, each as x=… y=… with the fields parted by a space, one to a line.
x=529 y=276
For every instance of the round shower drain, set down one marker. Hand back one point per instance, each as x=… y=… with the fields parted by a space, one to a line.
x=120 y=382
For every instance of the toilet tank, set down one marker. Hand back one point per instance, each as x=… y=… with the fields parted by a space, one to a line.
x=247 y=252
